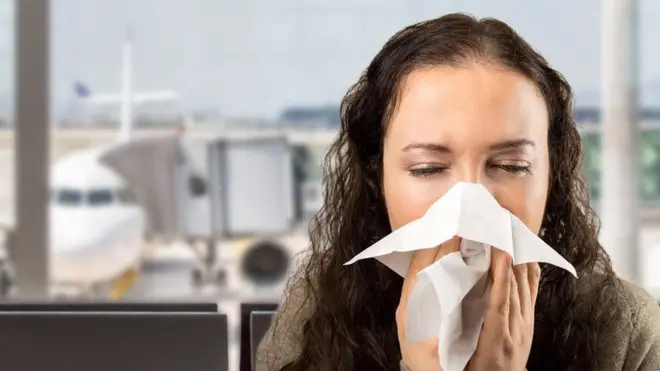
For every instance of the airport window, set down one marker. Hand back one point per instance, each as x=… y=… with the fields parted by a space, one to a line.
x=591 y=163
x=650 y=156
x=99 y=197
x=313 y=191
x=649 y=165
x=308 y=162
x=68 y=197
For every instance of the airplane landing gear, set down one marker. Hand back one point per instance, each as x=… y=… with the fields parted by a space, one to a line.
x=6 y=278
x=209 y=272
x=217 y=277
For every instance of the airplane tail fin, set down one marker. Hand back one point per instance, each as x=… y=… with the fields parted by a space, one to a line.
x=126 y=98
x=81 y=90
x=126 y=124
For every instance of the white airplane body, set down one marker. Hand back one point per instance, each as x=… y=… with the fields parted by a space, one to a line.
x=101 y=237
x=96 y=225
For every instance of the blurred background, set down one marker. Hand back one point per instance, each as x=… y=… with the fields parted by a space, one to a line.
x=186 y=137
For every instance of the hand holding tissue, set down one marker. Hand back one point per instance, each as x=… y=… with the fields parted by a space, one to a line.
x=450 y=299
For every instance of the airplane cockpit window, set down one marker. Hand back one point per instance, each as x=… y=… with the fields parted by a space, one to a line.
x=197 y=186
x=68 y=197
x=99 y=197
x=126 y=196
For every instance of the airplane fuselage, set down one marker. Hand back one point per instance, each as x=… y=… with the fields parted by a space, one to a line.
x=91 y=245
x=97 y=226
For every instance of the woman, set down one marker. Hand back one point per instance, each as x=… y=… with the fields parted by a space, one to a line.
x=459 y=99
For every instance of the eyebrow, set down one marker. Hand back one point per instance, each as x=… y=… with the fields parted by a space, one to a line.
x=512 y=144
x=501 y=146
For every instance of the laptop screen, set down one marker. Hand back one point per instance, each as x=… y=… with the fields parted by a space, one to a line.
x=126 y=341
x=259 y=325
x=183 y=307
x=247 y=309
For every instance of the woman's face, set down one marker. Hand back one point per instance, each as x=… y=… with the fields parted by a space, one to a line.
x=481 y=124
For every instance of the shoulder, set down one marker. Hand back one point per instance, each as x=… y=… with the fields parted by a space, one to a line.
x=633 y=339
x=283 y=340
x=644 y=346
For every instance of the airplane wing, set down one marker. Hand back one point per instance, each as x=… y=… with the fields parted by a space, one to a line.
x=83 y=92
x=139 y=98
x=156 y=96
x=103 y=98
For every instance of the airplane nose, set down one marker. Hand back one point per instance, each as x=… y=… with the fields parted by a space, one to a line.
x=74 y=240
x=79 y=231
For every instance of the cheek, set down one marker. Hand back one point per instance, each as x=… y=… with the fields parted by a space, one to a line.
x=527 y=199
x=526 y=202
x=406 y=198
x=403 y=208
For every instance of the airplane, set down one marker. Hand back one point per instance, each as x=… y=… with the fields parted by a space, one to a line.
x=98 y=227
x=96 y=224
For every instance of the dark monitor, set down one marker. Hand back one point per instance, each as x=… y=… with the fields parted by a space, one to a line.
x=259 y=324
x=246 y=349
x=178 y=307
x=79 y=341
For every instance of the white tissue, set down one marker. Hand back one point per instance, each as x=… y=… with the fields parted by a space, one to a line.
x=450 y=298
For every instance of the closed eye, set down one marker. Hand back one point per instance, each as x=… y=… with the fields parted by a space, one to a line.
x=514 y=169
x=427 y=171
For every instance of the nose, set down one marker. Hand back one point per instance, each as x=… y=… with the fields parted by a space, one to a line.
x=473 y=172
x=469 y=173
x=469 y=170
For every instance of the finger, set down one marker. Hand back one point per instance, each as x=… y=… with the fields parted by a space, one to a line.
x=448 y=247
x=534 y=278
x=420 y=260
x=500 y=292
x=418 y=354
x=423 y=258
x=515 y=314
x=524 y=293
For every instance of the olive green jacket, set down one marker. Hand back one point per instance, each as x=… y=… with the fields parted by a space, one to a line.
x=633 y=344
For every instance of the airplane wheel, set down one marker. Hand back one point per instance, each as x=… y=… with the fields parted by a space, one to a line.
x=221 y=277
x=197 y=277
x=265 y=262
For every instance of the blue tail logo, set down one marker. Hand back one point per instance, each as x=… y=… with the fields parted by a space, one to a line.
x=81 y=90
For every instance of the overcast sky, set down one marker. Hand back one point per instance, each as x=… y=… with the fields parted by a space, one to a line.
x=256 y=57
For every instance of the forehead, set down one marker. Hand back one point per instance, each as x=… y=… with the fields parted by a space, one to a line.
x=482 y=103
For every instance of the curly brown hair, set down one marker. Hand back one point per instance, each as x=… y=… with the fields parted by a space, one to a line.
x=353 y=325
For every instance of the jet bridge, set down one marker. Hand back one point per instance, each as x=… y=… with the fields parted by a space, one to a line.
x=221 y=188
x=151 y=169
x=251 y=194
